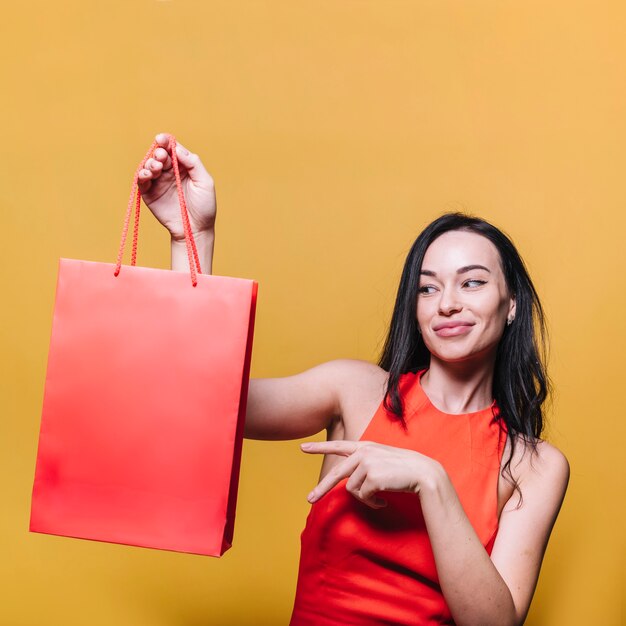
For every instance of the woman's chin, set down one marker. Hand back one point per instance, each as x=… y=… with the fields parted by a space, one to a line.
x=458 y=354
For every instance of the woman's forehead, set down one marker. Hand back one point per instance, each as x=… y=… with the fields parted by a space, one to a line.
x=460 y=248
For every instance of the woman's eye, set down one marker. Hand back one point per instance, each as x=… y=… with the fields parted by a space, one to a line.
x=426 y=289
x=474 y=283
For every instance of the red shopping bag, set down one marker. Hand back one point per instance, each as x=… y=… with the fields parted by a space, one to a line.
x=144 y=402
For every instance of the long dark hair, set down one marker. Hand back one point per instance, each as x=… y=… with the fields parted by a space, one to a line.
x=520 y=381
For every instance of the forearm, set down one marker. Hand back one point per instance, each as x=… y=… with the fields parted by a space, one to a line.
x=204 y=244
x=472 y=586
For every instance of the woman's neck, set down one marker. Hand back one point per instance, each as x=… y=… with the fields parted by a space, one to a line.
x=459 y=387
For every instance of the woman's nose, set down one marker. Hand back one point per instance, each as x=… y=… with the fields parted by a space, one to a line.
x=449 y=303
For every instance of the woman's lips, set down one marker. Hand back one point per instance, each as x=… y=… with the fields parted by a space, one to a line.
x=453 y=331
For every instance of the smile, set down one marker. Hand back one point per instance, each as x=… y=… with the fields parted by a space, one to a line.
x=453 y=331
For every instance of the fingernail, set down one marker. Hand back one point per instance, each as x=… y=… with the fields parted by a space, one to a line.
x=182 y=150
x=311 y=497
x=305 y=446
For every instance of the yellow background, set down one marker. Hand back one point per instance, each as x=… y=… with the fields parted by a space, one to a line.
x=335 y=131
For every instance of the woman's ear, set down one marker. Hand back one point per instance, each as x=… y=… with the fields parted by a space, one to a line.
x=512 y=308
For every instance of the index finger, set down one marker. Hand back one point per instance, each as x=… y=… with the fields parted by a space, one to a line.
x=163 y=139
x=334 y=476
x=342 y=448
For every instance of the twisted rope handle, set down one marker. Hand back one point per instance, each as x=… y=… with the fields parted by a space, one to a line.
x=135 y=199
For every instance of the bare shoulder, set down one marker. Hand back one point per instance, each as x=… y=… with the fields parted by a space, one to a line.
x=360 y=388
x=536 y=464
x=551 y=457
x=536 y=459
x=543 y=464
x=358 y=372
x=357 y=382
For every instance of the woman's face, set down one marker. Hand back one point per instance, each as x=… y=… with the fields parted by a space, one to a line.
x=463 y=302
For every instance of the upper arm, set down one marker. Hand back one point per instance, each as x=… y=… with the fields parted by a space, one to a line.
x=301 y=405
x=524 y=530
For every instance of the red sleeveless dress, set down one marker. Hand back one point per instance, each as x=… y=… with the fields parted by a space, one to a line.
x=361 y=566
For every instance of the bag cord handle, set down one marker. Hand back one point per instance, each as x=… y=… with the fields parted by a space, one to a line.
x=135 y=199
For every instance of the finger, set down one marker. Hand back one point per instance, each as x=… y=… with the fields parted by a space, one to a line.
x=357 y=478
x=368 y=493
x=163 y=139
x=191 y=162
x=162 y=152
x=375 y=502
x=154 y=167
x=161 y=155
x=362 y=489
x=144 y=180
x=343 y=448
x=336 y=475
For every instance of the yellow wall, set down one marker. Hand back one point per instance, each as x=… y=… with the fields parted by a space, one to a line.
x=335 y=130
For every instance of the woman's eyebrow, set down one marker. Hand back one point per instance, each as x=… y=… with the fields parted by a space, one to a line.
x=469 y=268
x=461 y=270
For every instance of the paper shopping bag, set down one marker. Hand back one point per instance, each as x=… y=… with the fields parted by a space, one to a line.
x=144 y=404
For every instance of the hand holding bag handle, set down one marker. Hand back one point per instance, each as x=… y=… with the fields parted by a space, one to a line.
x=135 y=198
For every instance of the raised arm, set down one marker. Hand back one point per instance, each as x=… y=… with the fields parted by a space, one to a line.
x=158 y=188
x=294 y=406
x=338 y=395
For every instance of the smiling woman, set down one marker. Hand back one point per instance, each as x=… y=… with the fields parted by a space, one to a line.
x=415 y=519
